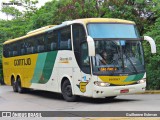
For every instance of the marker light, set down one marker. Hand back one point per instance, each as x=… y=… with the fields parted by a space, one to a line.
x=141 y=81
x=102 y=84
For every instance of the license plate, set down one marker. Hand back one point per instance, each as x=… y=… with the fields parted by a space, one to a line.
x=124 y=91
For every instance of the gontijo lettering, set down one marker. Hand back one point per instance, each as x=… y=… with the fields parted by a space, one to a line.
x=21 y=62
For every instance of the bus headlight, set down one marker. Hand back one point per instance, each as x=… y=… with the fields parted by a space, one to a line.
x=141 y=81
x=102 y=84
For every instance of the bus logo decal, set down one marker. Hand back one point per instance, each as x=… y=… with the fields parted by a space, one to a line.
x=82 y=86
x=64 y=60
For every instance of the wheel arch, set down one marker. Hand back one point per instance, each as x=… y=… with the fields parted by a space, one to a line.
x=19 y=76
x=66 y=77
x=12 y=77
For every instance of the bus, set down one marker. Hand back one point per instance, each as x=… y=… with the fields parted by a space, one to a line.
x=61 y=58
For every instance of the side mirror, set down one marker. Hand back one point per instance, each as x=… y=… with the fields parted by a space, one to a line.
x=91 y=46
x=152 y=43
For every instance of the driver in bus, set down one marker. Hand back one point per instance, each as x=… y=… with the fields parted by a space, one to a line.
x=100 y=60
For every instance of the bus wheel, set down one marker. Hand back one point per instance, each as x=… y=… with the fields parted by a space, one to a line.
x=14 y=84
x=2 y=82
x=67 y=92
x=19 y=87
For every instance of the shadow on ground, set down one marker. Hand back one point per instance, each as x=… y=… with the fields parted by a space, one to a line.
x=58 y=96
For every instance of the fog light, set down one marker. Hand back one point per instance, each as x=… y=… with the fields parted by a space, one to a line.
x=141 y=81
x=102 y=84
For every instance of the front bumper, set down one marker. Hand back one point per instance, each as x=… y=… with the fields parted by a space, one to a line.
x=102 y=92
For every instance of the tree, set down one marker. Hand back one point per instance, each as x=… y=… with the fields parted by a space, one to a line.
x=44 y=16
x=11 y=11
x=135 y=10
x=29 y=6
x=153 y=61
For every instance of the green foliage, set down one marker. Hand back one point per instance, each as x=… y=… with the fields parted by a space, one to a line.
x=12 y=11
x=153 y=61
x=44 y=16
x=75 y=9
x=134 y=10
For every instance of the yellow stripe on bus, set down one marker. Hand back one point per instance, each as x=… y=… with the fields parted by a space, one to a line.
x=117 y=80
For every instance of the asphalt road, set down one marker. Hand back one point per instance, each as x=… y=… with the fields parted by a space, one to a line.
x=48 y=101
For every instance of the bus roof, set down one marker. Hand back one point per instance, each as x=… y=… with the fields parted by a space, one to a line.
x=105 y=20
x=31 y=33
x=84 y=21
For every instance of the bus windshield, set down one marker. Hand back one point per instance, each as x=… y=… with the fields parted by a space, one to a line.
x=116 y=57
x=108 y=30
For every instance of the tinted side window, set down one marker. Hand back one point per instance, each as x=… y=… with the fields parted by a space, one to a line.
x=10 y=53
x=30 y=46
x=79 y=36
x=22 y=47
x=52 y=41
x=5 y=50
x=10 y=50
x=85 y=62
x=19 y=46
x=15 y=49
x=80 y=47
x=65 y=38
x=40 y=43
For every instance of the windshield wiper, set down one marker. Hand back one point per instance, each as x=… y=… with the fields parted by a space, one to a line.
x=131 y=63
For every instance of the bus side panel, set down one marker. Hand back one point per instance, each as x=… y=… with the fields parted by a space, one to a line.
x=6 y=71
x=67 y=67
x=45 y=73
x=64 y=64
x=22 y=66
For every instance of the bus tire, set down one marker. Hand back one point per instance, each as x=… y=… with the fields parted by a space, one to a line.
x=19 y=87
x=2 y=82
x=67 y=92
x=14 y=84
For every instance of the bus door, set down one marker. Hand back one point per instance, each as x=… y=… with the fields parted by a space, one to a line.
x=82 y=73
x=81 y=69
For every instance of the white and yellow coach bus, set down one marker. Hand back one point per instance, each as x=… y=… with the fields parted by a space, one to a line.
x=67 y=59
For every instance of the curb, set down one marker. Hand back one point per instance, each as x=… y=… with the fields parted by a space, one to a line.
x=150 y=92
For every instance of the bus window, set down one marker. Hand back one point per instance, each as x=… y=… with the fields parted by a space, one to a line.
x=22 y=46
x=78 y=36
x=52 y=38
x=80 y=50
x=15 y=49
x=5 y=51
x=30 y=46
x=40 y=43
x=85 y=66
x=10 y=53
x=18 y=44
x=65 y=38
